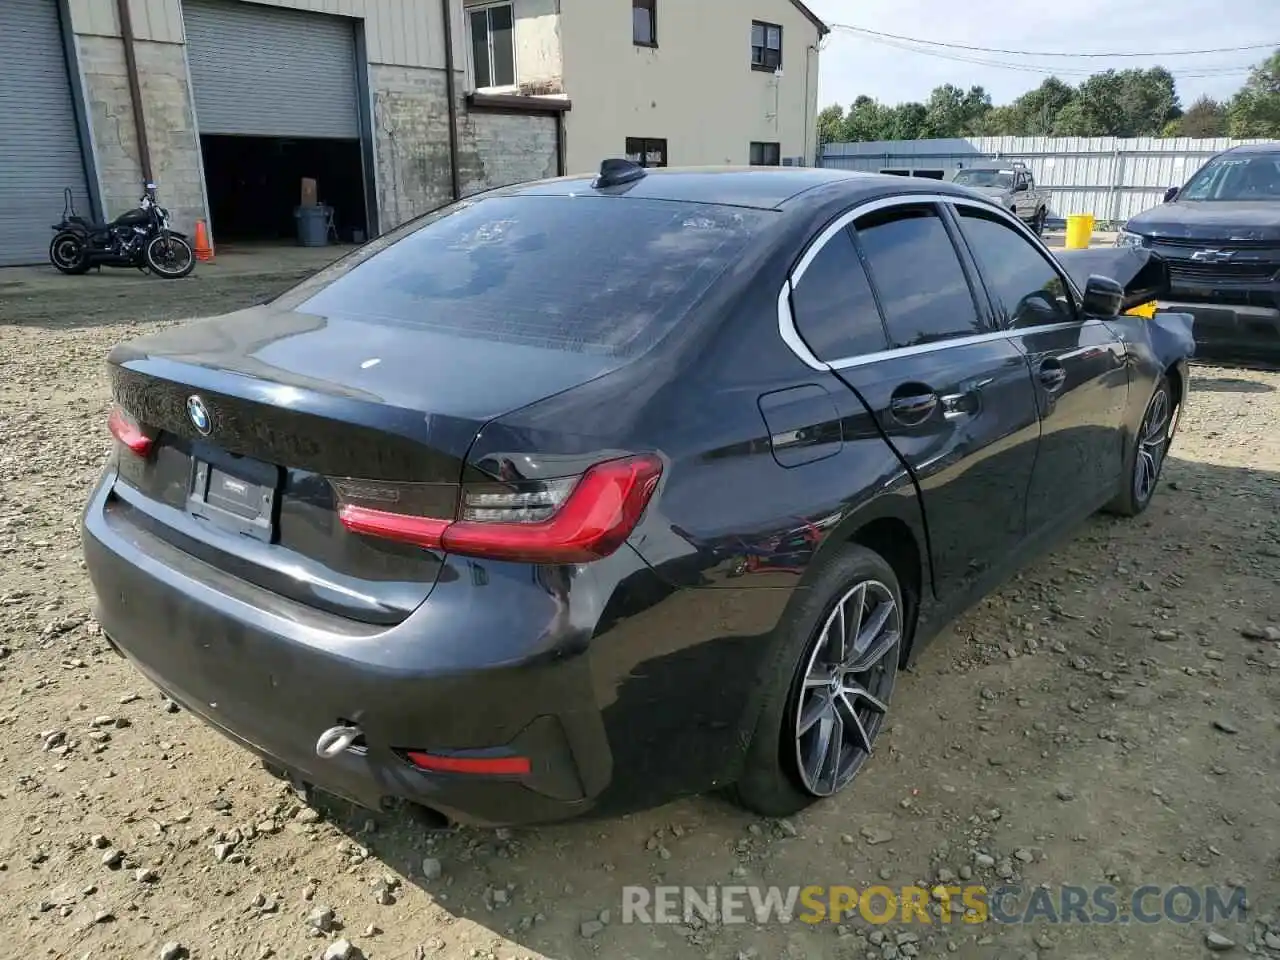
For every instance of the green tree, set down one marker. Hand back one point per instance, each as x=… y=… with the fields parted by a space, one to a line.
x=952 y=112
x=1116 y=103
x=998 y=122
x=1255 y=109
x=1148 y=99
x=906 y=121
x=1204 y=118
x=866 y=120
x=1121 y=103
x=1035 y=113
x=830 y=124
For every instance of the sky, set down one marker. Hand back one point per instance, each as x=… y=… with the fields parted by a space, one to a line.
x=852 y=65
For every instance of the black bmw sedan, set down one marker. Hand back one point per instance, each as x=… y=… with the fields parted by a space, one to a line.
x=588 y=493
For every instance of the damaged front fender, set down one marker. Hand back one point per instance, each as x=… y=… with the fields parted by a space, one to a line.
x=1143 y=274
x=1162 y=339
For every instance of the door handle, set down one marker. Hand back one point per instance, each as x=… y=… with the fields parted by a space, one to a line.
x=967 y=401
x=1052 y=375
x=915 y=407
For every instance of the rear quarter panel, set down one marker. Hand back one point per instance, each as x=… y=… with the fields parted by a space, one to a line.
x=730 y=535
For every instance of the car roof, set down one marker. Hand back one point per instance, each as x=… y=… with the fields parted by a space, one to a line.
x=1271 y=147
x=768 y=188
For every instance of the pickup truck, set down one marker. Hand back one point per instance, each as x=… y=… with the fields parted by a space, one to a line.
x=1010 y=184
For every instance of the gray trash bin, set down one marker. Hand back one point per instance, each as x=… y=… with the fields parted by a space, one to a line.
x=313 y=225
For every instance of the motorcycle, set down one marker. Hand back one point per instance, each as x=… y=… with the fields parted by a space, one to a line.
x=140 y=238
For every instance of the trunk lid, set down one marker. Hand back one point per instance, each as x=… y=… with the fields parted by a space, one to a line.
x=300 y=411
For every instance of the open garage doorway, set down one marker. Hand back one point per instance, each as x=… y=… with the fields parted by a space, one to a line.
x=254 y=185
x=277 y=99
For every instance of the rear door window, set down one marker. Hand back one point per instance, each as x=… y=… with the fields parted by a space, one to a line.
x=834 y=308
x=600 y=275
x=916 y=272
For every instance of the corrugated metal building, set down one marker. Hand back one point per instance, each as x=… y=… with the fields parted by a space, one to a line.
x=229 y=103
x=1110 y=177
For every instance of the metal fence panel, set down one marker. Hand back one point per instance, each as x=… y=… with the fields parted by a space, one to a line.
x=1113 y=178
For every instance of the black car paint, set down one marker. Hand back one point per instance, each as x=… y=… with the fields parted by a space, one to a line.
x=636 y=678
x=1235 y=300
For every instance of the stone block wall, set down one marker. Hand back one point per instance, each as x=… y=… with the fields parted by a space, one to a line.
x=510 y=148
x=411 y=143
x=170 y=125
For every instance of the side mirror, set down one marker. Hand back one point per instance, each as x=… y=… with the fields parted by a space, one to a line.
x=1020 y=187
x=1103 y=297
x=1170 y=195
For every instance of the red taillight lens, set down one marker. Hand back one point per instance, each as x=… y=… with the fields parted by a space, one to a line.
x=573 y=520
x=125 y=429
x=492 y=766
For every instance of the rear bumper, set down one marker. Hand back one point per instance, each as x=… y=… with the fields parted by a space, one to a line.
x=467 y=673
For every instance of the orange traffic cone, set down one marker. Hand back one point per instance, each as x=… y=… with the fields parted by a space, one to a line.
x=204 y=249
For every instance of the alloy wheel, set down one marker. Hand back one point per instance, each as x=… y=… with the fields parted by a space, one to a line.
x=848 y=682
x=1153 y=443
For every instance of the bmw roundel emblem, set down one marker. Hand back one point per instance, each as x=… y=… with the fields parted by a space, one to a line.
x=199 y=415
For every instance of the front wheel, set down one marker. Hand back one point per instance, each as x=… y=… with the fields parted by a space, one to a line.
x=827 y=701
x=169 y=257
x=1146 y=458
x=69 y=253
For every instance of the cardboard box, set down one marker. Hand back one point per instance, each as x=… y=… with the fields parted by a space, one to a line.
x=308 y=192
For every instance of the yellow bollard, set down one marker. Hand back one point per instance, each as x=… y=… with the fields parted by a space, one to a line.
x=1079 y=230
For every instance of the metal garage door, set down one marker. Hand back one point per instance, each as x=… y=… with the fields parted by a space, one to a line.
x=270 y=72
x=39 y=140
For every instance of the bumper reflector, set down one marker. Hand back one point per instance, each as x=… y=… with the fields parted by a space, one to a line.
x=492 y=766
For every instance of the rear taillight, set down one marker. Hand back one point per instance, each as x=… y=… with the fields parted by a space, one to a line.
x=127 y=430
x=573 y=520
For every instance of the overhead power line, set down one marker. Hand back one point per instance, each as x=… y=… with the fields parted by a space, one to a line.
x=910 y=46
x=1148 y=54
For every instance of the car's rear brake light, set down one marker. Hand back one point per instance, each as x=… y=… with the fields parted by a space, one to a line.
x=127 y=430
x=573 y=520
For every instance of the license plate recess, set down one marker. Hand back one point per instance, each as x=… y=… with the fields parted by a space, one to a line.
x=235 y=494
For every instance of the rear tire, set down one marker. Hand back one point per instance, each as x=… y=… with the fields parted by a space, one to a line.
x=1038 y=221
x=815 y=698
x=1150 y=448
x=69 y=253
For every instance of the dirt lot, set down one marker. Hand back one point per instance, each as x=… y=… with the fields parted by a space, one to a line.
x=1112 y=716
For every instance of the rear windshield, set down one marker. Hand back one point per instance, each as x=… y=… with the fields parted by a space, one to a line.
x=601 y=275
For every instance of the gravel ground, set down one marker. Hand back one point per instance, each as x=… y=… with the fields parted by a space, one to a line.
x=1111 y=716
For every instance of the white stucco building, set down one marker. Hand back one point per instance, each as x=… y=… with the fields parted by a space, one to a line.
x=674 y=82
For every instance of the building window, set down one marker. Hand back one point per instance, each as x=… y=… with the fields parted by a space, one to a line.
x=644 y=23
x=766 y=154
x=493 y=49
x=766 y=45
x=647 y=151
